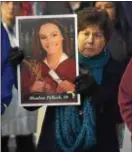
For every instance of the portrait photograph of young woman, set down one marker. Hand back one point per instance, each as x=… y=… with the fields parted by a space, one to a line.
x=48 y=71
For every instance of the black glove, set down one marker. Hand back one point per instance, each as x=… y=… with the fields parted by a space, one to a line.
x=32 y=108
x=16 y=56
x=85 y=85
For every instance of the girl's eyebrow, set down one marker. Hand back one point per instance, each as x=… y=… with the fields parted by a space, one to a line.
x=41 y=34
x=55 y=32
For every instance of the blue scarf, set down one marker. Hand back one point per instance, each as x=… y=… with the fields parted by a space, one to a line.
x=73 y=133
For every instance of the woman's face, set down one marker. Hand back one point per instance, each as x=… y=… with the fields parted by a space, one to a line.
x=91 y=41
x=9 y=10
x=51 y=38
x=109 y=7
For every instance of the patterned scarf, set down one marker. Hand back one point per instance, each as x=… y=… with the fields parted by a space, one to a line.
x=73 y=133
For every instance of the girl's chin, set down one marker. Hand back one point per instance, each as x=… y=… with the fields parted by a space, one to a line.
x=51 y=52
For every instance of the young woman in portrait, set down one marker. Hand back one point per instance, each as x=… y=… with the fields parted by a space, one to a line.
x=51 y=73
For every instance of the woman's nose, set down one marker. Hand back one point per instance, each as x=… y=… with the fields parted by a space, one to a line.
x=90 y=39
x=48 y=41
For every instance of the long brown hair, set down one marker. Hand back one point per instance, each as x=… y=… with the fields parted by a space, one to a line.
x=38 y=51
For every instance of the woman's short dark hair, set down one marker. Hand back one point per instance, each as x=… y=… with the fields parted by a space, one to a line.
x=91 y=16
x=37 y=48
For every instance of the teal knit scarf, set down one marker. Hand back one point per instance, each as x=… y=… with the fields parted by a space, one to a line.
x=72 y=133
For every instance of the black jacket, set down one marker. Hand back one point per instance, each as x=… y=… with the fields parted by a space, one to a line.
x=107 y=114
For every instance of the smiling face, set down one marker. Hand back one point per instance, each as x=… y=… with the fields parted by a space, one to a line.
x=51 y=38
x=91 y=41
x=109 y=7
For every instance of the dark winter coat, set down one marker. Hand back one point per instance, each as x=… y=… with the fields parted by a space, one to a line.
x=107 y=114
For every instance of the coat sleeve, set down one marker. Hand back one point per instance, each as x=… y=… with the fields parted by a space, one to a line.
x=7 y=81
x=7 y=72
x=125 y=96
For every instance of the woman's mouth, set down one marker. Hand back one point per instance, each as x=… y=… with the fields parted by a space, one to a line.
x=88 y=49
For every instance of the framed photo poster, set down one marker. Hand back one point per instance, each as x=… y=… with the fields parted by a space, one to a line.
x=46 y=75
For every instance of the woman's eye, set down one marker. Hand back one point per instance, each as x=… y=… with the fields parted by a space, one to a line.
x=86 y=34
x=42 y=37
x=54 y=35
x=99 y=34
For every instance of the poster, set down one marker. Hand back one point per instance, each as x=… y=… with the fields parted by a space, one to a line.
x=46 y=75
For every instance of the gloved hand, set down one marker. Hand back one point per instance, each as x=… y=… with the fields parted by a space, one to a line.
x=16 y=56
x=32 y=108
x=85 y=85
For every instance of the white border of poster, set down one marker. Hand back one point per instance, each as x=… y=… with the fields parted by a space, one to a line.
x=50 y=100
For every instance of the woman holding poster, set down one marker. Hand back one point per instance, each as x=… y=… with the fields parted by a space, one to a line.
x=90 y=127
